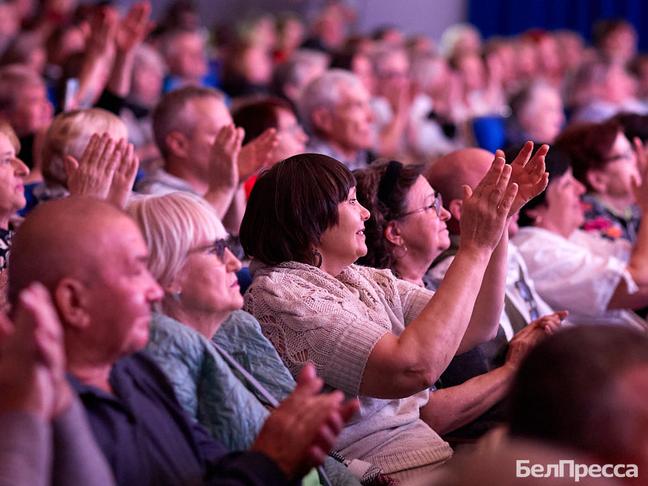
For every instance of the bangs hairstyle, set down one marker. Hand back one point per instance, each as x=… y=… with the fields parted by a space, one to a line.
x=290 y=207
x=258 y=115
x=69 y=134
x=383 y=207
x=172 y=226
x=557 y=163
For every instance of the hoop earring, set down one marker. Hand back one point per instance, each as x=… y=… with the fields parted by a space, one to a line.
x=318 y=258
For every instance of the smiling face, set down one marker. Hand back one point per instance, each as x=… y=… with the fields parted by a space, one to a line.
x=563 y=212
x=12 y=175
x=344 y=243
x=424 y=232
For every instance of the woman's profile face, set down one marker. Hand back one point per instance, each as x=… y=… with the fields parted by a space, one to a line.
x=564 y=210
x=12 y=174
x=424 y=232
x=207 y=281
x=344 y=243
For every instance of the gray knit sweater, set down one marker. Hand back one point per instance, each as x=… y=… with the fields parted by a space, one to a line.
x=335 y=322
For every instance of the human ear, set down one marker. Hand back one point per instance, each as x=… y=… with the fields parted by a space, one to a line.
x=455 y=207
x=71 y=301
x=322 y=120
x=392 y=234
x=176 y=143
x=597 y=180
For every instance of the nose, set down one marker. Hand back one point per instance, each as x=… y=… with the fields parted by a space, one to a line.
x=445 y=214
x=232 y=264
x=20 y=169
x=301 y=135
x=580 y=188
x=154 y=292
x=364 y=212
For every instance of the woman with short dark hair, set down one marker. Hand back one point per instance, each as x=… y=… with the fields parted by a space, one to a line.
x=305 y=228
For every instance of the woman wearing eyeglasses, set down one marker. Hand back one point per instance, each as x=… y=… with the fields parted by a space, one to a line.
x=369 y=334
x=406 y=233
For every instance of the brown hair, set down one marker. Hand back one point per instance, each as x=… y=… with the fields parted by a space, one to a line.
x=290 y=207
x=588 y=145
x=382 y=188
x=258 y=115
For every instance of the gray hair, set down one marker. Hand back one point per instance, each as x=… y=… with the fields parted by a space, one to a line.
x=325 y=92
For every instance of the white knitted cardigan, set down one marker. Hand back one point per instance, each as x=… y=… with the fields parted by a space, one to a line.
x=335 y=322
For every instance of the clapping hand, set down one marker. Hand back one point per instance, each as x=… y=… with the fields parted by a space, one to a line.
x=529 y=175
x=302 y=430
x=257 y=154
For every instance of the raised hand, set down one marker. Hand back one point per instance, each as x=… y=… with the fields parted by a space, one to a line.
x=92 y=175
x=134 y=27
x=32 y=359
x=124 y=177
x=257 y=154
x=485 y=211
x=529 y=175
x=224 y=157
x=302 y=430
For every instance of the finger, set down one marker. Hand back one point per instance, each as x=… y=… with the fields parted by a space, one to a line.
x=503 y=182
x=107 y=147
x=523 y=155
x=537 y=164
x=508 y=198
x=349 y=409
x=492 y=176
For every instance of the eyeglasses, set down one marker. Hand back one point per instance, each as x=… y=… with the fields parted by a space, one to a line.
x=437 y=205
x=230 y=243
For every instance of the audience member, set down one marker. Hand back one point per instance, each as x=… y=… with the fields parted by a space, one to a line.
x=597 y=406
x=595 y=279
x=45 y=438
x=336 y=112
x=537 y=114
x=405 y=233
x=315 y=305
x=202 y=152
x=603 y=160
x=200 y=337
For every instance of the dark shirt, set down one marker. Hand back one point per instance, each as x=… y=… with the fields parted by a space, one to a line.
x=148 y=439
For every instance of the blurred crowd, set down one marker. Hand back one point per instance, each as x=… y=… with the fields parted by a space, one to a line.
x=360 y=258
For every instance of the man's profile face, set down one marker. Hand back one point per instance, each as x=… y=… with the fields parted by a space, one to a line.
x=120 y=290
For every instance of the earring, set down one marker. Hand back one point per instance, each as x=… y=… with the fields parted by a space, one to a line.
x=317 y=256
x=403 y=249
x=176 y=296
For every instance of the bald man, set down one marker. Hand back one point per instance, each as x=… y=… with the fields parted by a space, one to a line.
x=477 y=373
x=448 y=175
x=93 y=260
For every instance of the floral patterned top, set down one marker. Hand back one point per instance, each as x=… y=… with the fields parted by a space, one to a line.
x=608 y=222
x=5 y=244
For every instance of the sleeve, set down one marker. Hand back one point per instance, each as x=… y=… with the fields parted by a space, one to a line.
x=111 y=102
x=77 y=457
x=25 y=450
x=413 y=299
x=571 y=276
x=308 y=323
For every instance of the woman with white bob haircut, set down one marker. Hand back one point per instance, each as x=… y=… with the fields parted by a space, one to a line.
x=224 y=372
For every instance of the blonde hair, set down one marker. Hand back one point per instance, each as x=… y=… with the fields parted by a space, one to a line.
x=69 y=134
x=172 y=225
